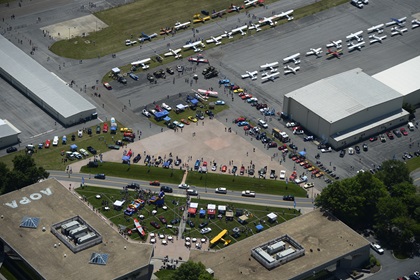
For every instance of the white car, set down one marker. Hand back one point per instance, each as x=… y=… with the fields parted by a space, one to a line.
x=192 y=192
x=166 y=107
x=282 y=174
x=77 y=155
x=262 y=123
x=329 y=150
x=377 y=248
x=178 y=124
x=308 y=186
x=130 y=43
x=248 y=193
x=298 y=131
x=205 y=230
x=146 y=113
x=84 y=152
x=291 y=124
x=221 y=190
x=55 y=141
x=351 y=151
x=184 y=186
x=80 y=133
x=214 y=167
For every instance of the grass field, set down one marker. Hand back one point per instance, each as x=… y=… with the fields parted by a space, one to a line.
x=175 y=207
x=413 y=164
x=209 y=180
x=149 y=16
x=51 y=158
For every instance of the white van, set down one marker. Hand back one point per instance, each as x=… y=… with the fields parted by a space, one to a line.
x=410 y=126
x=55 y=141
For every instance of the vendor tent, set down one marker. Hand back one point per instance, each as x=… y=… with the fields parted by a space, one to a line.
x=242 y=219
x=259 y=228
x=272 y=217
x=73 y=147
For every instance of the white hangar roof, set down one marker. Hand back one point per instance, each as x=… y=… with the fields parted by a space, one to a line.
x=342 y=95
x=403 y=77
x=42 y=83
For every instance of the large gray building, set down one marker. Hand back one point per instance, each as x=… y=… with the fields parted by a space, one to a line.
x=43 y=87
x=9 y=134
x=346 y=108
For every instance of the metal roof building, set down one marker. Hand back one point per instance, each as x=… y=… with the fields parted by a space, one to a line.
x=9 y=134
x=345 y=108
x=403 y=78
x=42 y=87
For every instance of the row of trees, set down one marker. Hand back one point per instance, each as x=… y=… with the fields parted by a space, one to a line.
x=24 y=173
x=387 y=202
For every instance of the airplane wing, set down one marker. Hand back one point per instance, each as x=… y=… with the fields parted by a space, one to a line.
x=269 y=65
x=375 y=28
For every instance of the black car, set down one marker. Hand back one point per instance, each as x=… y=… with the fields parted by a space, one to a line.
x=234 y=169
x=177 y=162
x=365 y=147
x=100 y=176
x=342 y=153
x=113 y=147
x=209 y=113
x=289 y=197
x=89 y=131
x=171 y=125
x=11 y=150
x=133 y=186
x=175 y=221
x=147 y=159
x=128 y=139
x=91 y=150
x=166 y=189
x=137 y=158
x=119 y=143
x=190 y=223
x=170 y=70
x=250 y=171
x=357 y=148
x=203 y=225
x=98 y=129
x=293 y=146
x=150 y=77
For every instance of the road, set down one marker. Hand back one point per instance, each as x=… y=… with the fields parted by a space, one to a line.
x=305 y=204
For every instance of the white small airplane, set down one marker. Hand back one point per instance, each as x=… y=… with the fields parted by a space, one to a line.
x=377 y=28
x=270 y=77
x=272 y=66
x=179 y=25
x=375 y=38
x=236 y=30
x=250 y=3
x=288 y=69
x=271 y=20
x=357 y=46
x=208 y=92
x=141 y=63
x=293 y=58
x=194 y=46
x=336 y=44
x=397 y=31
x=316 y=52
x=252 y=75
x=145 y=37
x=355 y=36
x=415 y=23
x=254 y=26
x=398 y=21
x=216 y=40
x=174 y=53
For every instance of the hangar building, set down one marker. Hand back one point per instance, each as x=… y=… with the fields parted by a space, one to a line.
x=346 y=108
x=328 y=244
x=42 y=87
x=9 y=134
x=403 y=78
x=28 y=220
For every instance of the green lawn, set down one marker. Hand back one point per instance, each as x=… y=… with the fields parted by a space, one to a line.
x=148 y=16
x=209 y=180
x=413 y=164
x=175 y=206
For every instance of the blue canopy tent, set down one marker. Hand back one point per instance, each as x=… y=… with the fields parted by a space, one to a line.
x=259 y=228
x=166 y=119
x=202 y=212
x=194 y=101
x=126 y=159
x=302 y=153
x=160 y=115
x=73 y=147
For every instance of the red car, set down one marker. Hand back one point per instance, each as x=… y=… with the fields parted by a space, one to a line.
x=248 y=127
x=105 y=128
x=390 y=136
x=154 y=183
x=162 y=220
x=241 y=119
x=107 y=86
x=47 y=143
x=204 y=163
x=403 y=131
x=284 y=147
x=224 y=168
x=372 y=139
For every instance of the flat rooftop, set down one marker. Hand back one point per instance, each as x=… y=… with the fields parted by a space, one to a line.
x=314 y=230
x=342 y=95
x=403 y=77
x=37 y=246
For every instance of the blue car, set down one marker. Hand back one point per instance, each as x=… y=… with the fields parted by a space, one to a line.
x=197 y=164
x=134 y=76
x=224 y=81
x=220 y=102
x=243 y=123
